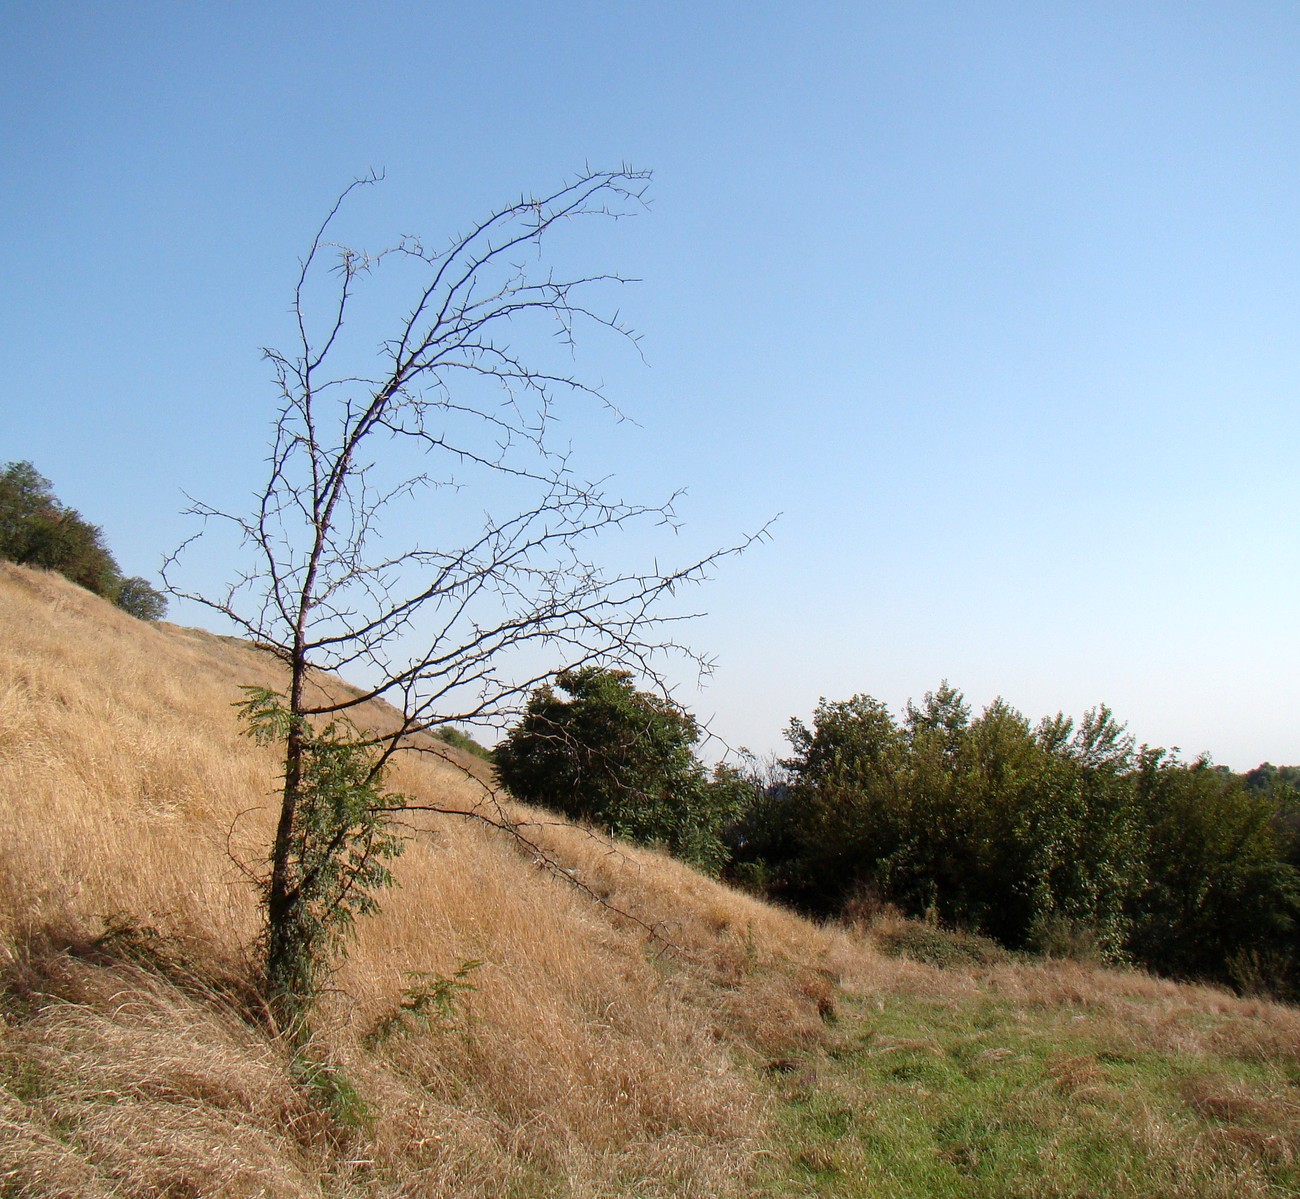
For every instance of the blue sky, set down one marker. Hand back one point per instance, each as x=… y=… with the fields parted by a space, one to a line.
x=996 y=304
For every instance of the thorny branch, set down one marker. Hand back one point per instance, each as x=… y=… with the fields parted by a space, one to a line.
x=456 y=621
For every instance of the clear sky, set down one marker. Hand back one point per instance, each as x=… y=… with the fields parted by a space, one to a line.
x=996 y=303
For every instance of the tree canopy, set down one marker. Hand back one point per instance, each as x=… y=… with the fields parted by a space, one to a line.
x=597 y=749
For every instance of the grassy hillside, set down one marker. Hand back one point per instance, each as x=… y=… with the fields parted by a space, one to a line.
x=741 y=1052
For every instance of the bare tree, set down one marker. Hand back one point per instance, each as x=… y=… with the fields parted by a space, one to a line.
x=456 y=624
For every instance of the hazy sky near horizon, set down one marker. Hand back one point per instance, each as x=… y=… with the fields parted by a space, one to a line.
x=996 y=304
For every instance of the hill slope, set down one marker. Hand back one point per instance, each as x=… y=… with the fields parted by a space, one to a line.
x=742 y=1051
x=585 y=1052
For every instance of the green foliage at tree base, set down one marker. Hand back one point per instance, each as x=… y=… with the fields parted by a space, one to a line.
x=340 y=839
x=432 y=1001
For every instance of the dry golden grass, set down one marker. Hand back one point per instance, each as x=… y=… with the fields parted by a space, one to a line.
x=589 y=1056
x=589 y=1059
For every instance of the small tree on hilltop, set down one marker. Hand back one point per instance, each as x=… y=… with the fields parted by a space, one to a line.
x=139 y=598
x=449 y=630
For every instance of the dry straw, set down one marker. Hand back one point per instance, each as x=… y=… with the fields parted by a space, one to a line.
x=587 y=1055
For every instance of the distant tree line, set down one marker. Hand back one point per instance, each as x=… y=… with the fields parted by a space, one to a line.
x=37 y=530
x=1055 y=837
x=1059 y=837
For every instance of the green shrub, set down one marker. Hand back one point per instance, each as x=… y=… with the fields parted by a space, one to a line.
x=342 y=841
x=936 y=946
x=1219 y=894
x=136 y=597
x=433 y=1001
x=462 y=741
x=1059 y=838
x=624 y=760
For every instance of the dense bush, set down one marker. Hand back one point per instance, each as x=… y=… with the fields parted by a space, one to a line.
x=624 y=760
x=37 y=530
x=136 y=596
x=1217 y=885
x=1055 y=837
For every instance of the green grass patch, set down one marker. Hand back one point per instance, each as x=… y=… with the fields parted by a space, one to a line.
x=980 y=1096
